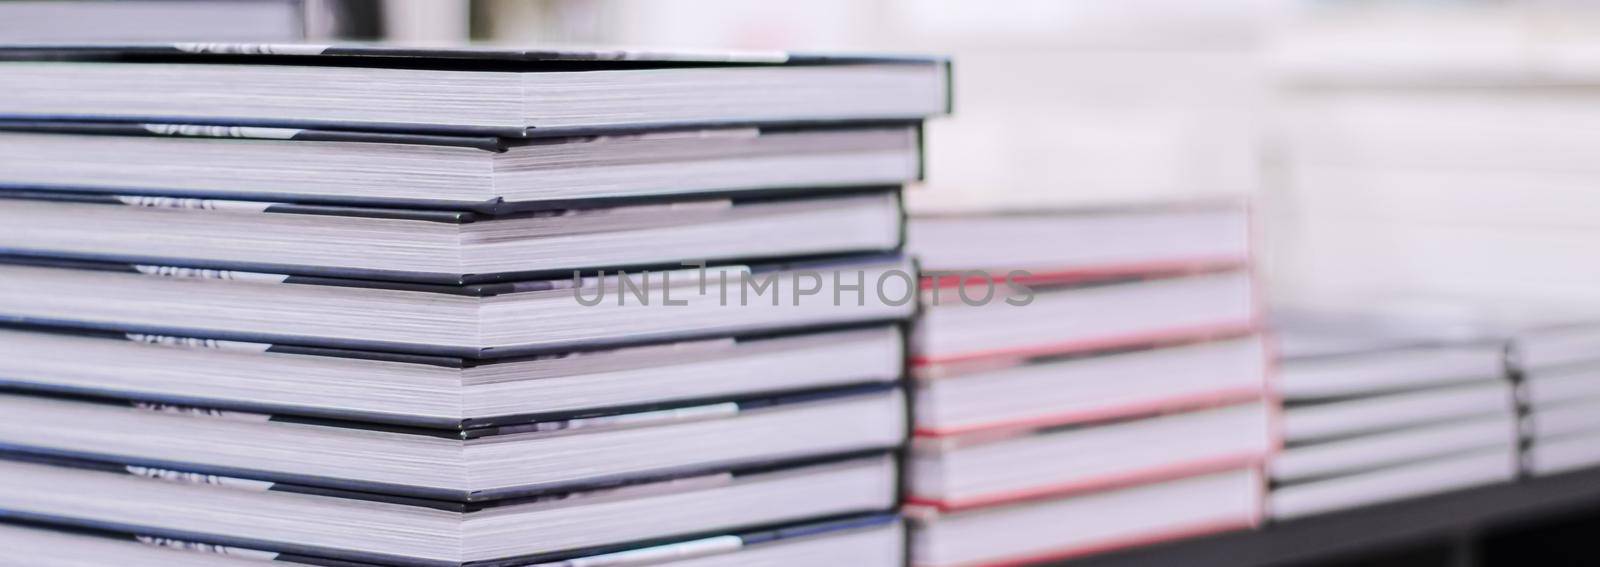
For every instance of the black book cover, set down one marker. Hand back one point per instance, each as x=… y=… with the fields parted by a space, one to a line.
x=547 y=283
x=189 y=545
x=377 y=55
x=748 y=537
x=490 y=59
x=223 y=131
x=596 y=419
x=445 y=216
x=190 y=474
x=470 y=290
x=487 y=142
x=221 y=482
x=21 y=384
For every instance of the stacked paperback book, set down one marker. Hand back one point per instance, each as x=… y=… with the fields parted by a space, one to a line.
x=1559 y=368
x=352 y=305
x=1372 y=416
x=1084 y=380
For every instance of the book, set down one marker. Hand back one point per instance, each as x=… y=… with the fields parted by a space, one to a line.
x=984 y=470
x=1066 y=528
x=1347 y=417
x=52 y=546
x=1343 y=456
x=1556 y=454
x=1557 y=386
x=1574 y=417
x=480 y=464
x=440 y=247
x=1079 y=318
x=875 y=540
x=1415 y=479
x=474 y=321
x=366 y=527
x=1383 y=367
x=441 y=392
x=484 y=174
x=1085 y=243
x=475 y=90
x=1058 y=390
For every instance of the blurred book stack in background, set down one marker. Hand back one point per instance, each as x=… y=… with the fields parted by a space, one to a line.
x=1436 y=151
x=441 y=307
x=186 y=20
x=1559 y=367
x=1085 y=380
x=1372 y=415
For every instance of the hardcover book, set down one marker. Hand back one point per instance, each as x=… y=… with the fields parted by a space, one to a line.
x=1061 y=529
x=1081 y=317
x=367 y=527
x=873 y=540
x=480 y=464
x=1414 y=479
x=1085 y=243
x=441 y=392
x=441 y=247
x=1047 y=391
x=467 y=90
x=487 y=175
x=473 y=321
x=990 y=469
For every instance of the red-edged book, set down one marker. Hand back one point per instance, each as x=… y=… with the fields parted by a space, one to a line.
x=1026 y=285
x=1064 y=528
x=1019 y=394
x=990 y=469
x=1042 y=319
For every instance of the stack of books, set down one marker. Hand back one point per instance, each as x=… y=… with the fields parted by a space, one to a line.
x=1084 y=380
x=1373 y=416
x=1559 y=369
x=446 y=307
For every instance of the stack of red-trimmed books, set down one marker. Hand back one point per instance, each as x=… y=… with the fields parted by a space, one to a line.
x=1086 y=380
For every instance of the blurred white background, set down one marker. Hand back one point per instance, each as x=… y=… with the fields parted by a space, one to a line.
x=1057 y=101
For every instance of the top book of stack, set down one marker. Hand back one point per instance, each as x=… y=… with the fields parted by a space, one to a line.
x=477 y=91
x=493 y=131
